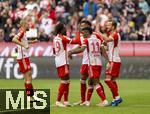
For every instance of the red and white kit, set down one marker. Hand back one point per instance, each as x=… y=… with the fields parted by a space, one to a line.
x=85 y=60
x=113 y=54
x=94 y=55
x=61 y=59
x=23 y=54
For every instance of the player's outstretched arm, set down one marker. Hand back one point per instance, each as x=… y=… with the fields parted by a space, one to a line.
x=104 y=36
x=76 y=50
x=69 y=54
x=15 y=40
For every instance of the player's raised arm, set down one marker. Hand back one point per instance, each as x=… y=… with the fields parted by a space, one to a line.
x=111 y=24
x=76 y=40
x=105 y=37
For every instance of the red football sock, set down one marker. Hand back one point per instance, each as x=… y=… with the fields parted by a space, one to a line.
x=101 y=86
x=116 y=85
x=100 y=92
x=29 y=89
x=66 y=92
x=89 y=93
x=113 y=87
x=60 y=91
x=83 y=90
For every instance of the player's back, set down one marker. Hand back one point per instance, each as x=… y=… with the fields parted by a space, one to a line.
x=94 y=51
x=85 y=59
x=60 y=47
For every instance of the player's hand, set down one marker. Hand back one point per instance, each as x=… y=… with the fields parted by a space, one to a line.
x=69 y=55
x=108 y=66
x=26 y=46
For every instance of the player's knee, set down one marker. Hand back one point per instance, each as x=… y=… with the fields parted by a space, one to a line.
x=90 y=82
x=113 y=79
x=25 y=75
x=107 y=80
x=82 y=81
x=96 y=81
x=84 y=77
x=28 y=73
x=65 y=78
x=65 y=81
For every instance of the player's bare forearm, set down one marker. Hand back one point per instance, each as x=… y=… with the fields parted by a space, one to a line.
x=77 y=50
x=105 y=37
x=103 y=50
x=104 y=44
x=97 y=25
x=15 y=40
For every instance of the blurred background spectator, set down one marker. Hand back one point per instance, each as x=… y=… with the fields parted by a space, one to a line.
x=133 y=16
x=1 y=35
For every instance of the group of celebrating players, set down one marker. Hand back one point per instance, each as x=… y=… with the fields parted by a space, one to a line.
x=104 y=42
x=93 y=45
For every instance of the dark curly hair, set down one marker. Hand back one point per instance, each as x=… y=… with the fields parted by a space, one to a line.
x=60 y=29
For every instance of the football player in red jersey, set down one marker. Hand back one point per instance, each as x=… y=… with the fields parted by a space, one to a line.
x=61 y=60
x=23 y=58
x=94 y=48
x=112 y=37
x=84 y=67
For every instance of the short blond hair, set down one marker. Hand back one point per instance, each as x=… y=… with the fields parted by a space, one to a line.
x=23 y=22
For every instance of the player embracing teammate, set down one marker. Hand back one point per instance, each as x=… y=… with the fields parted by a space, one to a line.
x=92 y=44
x=94 y=47
x=113 y=40
x=84 y=67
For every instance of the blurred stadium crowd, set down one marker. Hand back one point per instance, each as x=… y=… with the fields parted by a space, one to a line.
x=133 y=16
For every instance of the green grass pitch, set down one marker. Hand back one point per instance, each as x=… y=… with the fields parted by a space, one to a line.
x=135 y=94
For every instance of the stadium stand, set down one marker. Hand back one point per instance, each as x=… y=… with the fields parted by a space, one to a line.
x=133 y=16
